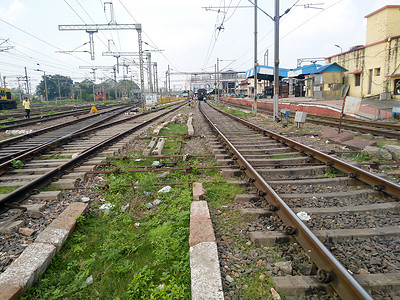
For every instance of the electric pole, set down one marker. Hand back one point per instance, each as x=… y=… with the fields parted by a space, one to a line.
x=255 y=57
x=276 y=60
x=217 y=79
x=27 y=83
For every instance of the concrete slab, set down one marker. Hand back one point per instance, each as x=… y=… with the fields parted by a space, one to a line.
x=199 y=193
x=67 y=219
x=244 y=198
x=160 y=145
x=25 y=270
x=37 y=207
x=225 y=162
x=205 y=272
x=358 y=143
x=231 y=173
x=75 y=175
x=53 y=236
x=147 y=151
x=201 y=230
x=63 y=184
x=297 y=285
x=199 y=209
x=12 y=227
x=47 y=195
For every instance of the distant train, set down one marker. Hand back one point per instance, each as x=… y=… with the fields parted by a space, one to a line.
x=201 y=93
x=6 y=100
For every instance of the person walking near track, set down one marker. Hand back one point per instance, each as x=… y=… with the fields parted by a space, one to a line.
x=26 y=104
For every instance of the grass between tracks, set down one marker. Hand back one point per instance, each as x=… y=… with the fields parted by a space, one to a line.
x=142 y=253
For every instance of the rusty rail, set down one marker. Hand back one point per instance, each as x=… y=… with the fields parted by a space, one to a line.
x=330 y=269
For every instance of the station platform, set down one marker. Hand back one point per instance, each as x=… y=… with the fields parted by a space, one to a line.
x=370 y=109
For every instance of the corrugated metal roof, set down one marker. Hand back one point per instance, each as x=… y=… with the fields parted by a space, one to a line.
x=332 y=67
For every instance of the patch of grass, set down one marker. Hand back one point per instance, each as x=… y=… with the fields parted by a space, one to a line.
x=125 y=261
x=7 y=189
x=357 y=156
x=332 y=173
x=232 y=111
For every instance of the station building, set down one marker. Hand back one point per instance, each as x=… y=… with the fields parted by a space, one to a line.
x=373 y=70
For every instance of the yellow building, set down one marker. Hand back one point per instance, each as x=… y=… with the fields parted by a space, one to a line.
x=374 y=69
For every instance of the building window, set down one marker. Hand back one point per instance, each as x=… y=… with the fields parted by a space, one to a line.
x=396 y=87
x=377 y=71
x=357 y=79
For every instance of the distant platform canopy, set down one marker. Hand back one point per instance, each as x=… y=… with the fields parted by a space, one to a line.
x=267 y=72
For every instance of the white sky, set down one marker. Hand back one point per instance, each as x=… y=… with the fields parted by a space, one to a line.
x=182 y=28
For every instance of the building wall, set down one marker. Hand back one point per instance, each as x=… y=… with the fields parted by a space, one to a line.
x=383 y=24
x=379 y=60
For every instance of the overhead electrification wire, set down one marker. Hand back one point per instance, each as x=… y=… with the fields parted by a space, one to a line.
x=155 y=46
x=297 y=27
x=39 y=39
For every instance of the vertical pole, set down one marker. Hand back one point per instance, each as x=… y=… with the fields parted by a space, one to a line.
x=45 y=86
x=59 y=90
x=91 y=43
x=94 y=96
x=169 y=80
x=276 y=60
x=255 y=57
x=27 y=83
x=218 y=79
x=115 y=83
x=4 y=79
x=149 y=72
x=155 y=77
x=139 y=31
x=215 y=79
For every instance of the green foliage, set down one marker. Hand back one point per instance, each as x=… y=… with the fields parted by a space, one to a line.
x=17 y=164
x=7 y=189
x=358 y=156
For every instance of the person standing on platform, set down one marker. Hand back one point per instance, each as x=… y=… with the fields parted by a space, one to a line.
x=26 y=104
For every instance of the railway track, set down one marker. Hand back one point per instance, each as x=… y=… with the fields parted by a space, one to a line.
x=18 y=123
x=346 y=219
x=57 y=168
x=384 y=129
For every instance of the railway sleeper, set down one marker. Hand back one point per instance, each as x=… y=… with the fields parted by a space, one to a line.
x=337 y=195
x=270 y=238
x=317 y=182
x=301 y=160
x=292 y=172
x=263 y=212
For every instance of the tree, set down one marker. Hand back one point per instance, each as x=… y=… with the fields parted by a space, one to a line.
x=56 y=85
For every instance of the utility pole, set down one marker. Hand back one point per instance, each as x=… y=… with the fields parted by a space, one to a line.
x=4 y=79
x=215 y=78
x=218 y=79
x=276 y=60
x=169 y=80
x=27 y=83
x=255 y=57
x=45 y=86
x=59 y=90
x=155 y=77
x=115 y=83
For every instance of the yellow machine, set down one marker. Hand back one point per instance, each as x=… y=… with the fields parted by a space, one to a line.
x=6 y=100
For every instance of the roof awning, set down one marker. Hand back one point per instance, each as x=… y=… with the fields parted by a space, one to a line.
x=394 y=75
x=356 y=72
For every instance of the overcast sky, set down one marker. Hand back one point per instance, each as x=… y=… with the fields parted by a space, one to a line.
x=191 y=37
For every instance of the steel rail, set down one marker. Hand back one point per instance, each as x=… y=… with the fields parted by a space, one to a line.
x=330 y=269
x=24 y=154
x=378 y=183
x=32 y=187
x=50 y=128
